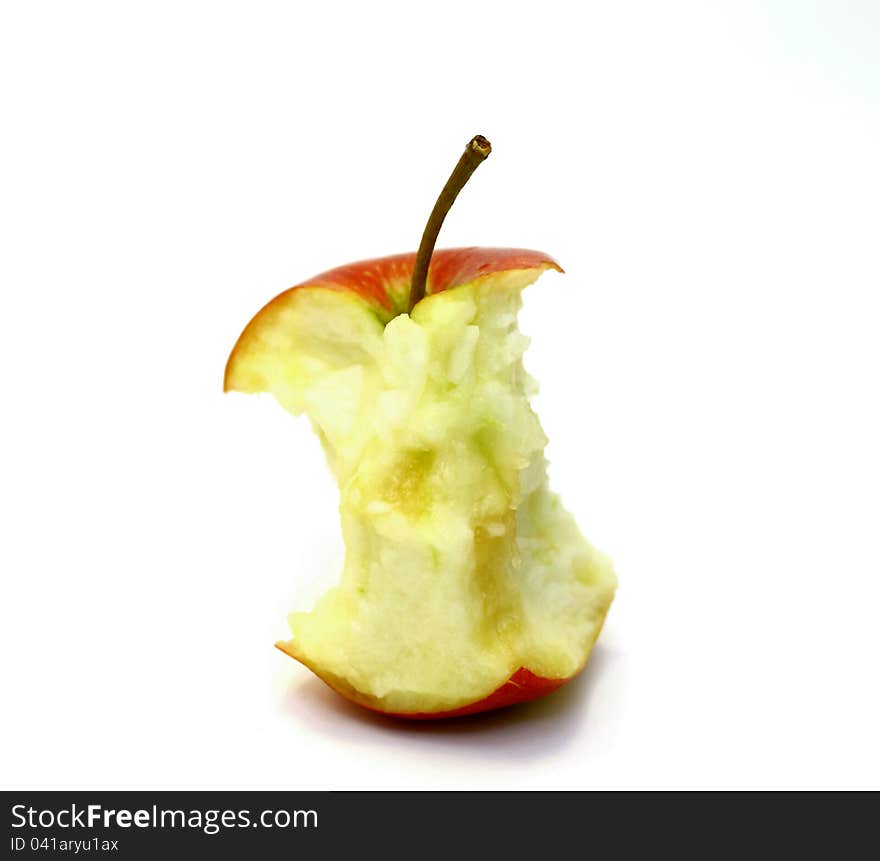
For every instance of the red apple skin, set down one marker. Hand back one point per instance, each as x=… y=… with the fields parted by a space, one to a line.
x=521 y=687
x=380 y=280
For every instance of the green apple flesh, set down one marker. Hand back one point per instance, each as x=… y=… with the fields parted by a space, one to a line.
x=462 y=566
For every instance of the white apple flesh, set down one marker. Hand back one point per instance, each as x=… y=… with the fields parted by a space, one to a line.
x=462 y=567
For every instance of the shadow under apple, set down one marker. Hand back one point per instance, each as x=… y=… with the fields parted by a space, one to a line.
x=529 y=730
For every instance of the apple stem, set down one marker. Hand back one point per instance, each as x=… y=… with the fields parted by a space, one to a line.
x=474 y=155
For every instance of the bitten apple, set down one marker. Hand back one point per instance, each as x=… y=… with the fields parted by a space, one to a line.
x=466 y=586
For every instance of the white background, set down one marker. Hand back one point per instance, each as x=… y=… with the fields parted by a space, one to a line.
x=709 y=176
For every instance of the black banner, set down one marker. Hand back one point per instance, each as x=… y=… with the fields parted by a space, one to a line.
x=387 y=825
